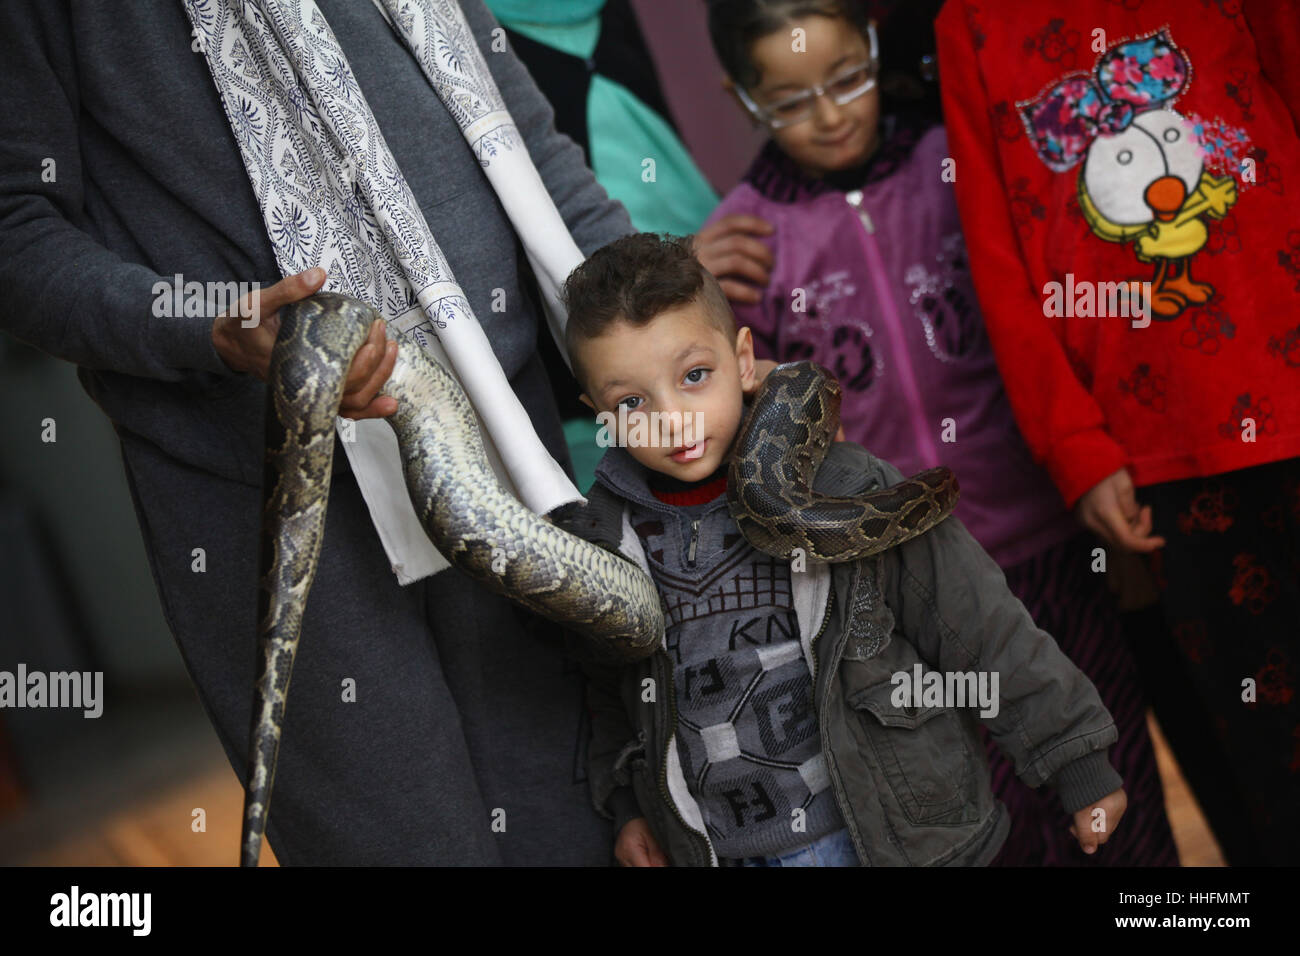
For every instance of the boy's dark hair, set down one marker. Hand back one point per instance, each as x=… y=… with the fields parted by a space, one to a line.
x=735 y=24
x=633 y=280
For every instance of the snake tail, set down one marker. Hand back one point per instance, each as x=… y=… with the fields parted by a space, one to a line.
x=777 y=454
x=300 y=427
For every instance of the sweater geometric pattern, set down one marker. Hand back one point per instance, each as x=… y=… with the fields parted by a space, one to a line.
x=746 y=725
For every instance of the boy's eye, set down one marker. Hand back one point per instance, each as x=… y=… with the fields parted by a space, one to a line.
x=629 y=403
x=696 y=375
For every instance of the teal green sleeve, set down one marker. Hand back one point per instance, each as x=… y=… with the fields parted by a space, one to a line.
x=668 y=195
x=640 y=161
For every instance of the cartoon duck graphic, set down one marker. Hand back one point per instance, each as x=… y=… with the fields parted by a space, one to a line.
x=1143 y=178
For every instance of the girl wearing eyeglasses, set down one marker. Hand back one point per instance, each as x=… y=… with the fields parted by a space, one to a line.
x=856 y=261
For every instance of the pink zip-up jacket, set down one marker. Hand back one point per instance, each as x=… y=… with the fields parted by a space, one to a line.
x=870 y=279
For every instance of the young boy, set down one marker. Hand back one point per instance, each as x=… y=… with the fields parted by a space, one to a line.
x=796 y=714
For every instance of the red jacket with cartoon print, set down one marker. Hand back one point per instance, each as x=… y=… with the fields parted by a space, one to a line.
x=1101 y=146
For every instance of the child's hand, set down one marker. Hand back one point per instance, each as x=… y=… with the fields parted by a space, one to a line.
x=1110 y=510
x=636 y=845
x=728 y=249
x=1092 y=828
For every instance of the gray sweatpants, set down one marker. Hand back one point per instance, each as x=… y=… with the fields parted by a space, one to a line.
x=464 y=722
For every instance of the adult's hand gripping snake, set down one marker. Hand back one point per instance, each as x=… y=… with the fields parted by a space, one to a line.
x=475 y=523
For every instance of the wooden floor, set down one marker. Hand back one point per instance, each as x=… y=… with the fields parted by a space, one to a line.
x=1196 y=844
x=160 y=833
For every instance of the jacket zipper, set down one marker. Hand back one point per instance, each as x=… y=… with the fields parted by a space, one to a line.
x=663 y=761
x=819 y=709
x=666 y=680
x=826 y=619
x=925 y=441
x=854 y=198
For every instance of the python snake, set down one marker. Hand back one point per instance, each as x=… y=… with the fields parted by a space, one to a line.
x=770 y=480
x=486 y=532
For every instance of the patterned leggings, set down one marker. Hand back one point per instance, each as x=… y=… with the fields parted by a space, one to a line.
x=1229 y=581
x=1070 y=602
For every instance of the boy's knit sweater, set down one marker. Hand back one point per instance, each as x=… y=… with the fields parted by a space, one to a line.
x=746 y=728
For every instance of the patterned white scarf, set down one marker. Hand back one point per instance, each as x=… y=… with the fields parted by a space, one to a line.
x=332 y=196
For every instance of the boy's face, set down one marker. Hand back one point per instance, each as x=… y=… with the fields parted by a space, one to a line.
x=834 y=137
x=682 y=382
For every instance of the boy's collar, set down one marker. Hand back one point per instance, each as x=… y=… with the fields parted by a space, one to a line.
x=778 y=177
x=630 y=479
x=686 y=494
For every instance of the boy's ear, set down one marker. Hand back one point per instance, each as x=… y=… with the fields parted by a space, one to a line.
x=745 y=358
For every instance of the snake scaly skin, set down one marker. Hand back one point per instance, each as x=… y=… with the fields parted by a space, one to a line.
x=770 y=482
x=475 y=523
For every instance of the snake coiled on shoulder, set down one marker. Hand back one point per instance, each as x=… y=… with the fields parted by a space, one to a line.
x=770 y=480
x=474 y=521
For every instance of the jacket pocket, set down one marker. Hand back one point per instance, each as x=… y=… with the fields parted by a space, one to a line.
x=633 y=752
x=925 y=756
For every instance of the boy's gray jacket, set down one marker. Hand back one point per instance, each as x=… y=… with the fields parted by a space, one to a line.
x=912 y=782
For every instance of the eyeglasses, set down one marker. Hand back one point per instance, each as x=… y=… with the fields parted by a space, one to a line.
x=844 y=87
